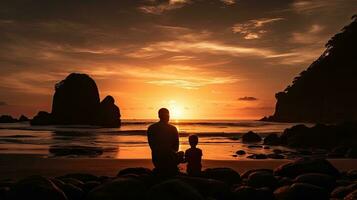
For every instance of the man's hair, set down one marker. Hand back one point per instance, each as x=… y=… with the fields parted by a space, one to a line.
x=193 y=140
x=163 y=111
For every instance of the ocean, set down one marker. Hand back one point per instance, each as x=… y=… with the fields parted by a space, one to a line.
x=218 y=139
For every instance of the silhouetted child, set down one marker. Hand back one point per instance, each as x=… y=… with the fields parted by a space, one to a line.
x=193 y=157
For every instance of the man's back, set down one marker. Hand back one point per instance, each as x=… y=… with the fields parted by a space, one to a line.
x=164 y=143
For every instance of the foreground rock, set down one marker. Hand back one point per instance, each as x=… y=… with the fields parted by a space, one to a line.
x=76 y=101
x=303 y=166
x=120 y=188
x=300 y=191
x=36 y=187
x=300 y=180
x=340 y=138
x=272 y=139
x=175 y=190
x=251 y=137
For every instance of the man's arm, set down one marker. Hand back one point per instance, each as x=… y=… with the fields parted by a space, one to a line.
x=176 y=142
x=150 y=137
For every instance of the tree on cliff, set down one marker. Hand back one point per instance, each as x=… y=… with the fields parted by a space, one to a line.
x=326 y=90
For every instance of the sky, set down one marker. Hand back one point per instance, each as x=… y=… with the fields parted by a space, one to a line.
x=202 y=59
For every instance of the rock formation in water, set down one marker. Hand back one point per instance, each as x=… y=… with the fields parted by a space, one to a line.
x=76 y=101
x=326 y=91
x=7 y=119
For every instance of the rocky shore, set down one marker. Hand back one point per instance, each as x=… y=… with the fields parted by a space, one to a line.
x=302 y=179
x=319 y=141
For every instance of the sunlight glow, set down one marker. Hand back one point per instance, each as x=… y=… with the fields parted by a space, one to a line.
x=176 y=110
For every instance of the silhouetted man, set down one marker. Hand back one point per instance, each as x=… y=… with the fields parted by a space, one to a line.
x=164 y=143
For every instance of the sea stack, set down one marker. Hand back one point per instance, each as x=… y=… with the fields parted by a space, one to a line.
x=326 y=91
x=76 y=102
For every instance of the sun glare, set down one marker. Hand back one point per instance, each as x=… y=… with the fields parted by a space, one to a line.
x=176 y=110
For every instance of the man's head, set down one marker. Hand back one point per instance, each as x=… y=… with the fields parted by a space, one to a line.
x=193 y=140
x=164 y=115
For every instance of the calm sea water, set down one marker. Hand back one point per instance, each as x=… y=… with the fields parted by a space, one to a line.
x=219 y=139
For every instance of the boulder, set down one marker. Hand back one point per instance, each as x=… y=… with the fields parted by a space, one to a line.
x=282 y=193
x=7 y=119
x=4 y=192
x=108 y=113
x=258 y=156
x=226 y=175
x=255 y=146
x=262 y=179
x=299 y=191
x=250 y=193
x=282 y=181
x=42 y=118
x=90 y=185
x=174 y=190
x=240 y=152
x=72 y=192
x=81 y=177
x=340 y=192
x=303 y=166
x=23 y=118
x=251 y=137
x=246 y=174
x=76 y=102
x=120 y=188
x=321 y=180
x=338 y=152
x=351 y=196
x=272 y=139
x=36 y=187
x=135 y=170
x=275 y=156
x=209 y=188
x=351 y=153
x=352 y=174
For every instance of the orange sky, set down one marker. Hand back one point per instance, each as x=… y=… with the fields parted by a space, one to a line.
x=221 y=59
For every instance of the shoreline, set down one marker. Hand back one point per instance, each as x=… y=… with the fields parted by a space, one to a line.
x=17 y=166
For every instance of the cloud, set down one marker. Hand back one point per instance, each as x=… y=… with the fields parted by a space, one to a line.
x=253 y=29
x=229 y=2
x=181 y=46
x=246 y=98
x=311 y=36
x=159 y=8
x=3 y=103
x=304 y=6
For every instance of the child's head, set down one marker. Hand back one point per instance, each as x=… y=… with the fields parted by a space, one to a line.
x=193 y=140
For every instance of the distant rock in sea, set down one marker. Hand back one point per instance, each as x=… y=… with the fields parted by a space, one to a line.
x=10 y=119
x=76 y=101
x=7 y=119
x=326 y=91
x=23 y=118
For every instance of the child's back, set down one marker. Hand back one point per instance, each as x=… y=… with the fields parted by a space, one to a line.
x=193 y=157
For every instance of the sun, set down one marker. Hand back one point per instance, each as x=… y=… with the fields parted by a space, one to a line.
x=176 y=110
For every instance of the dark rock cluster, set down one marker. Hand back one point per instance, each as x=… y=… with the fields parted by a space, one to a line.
x=331 y=141
x=299 y=180
x=10 y=119
x=76 y=102
x=325 y=91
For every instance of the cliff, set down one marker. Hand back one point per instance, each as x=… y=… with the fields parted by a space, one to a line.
x=327 y=90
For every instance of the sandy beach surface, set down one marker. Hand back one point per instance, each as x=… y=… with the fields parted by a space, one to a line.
x=16 y=166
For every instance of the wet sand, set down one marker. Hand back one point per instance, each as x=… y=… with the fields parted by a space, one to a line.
x=17 y=166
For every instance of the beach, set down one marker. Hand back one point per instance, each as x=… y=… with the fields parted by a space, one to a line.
x=17 y=166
